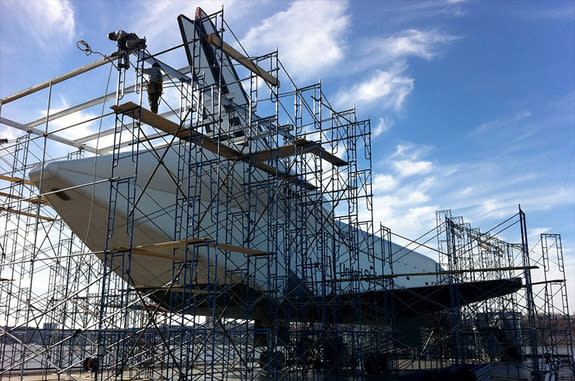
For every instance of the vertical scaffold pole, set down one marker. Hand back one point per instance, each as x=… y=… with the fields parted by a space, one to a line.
x=531 y=311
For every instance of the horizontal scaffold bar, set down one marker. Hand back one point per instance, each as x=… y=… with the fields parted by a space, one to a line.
x=447 y=272
x=48 y=135
x=33 y=200
x=57 y=79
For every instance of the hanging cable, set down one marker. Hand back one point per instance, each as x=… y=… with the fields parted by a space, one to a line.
x=91 y=210
x=87 y=49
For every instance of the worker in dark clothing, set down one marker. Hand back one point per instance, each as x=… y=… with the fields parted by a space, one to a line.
x=127 y=42
x=154 y=86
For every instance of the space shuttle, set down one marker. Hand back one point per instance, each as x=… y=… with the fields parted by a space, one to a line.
x=195 y=237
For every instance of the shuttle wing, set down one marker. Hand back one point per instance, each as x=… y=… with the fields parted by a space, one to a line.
x=372 y=306
x=348 y=308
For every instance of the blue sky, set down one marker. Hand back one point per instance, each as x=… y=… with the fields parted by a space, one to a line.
x=472 y=103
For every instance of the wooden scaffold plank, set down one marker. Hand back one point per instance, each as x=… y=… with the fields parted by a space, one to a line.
x=216 y=41
x=27 y=214
x=32 y=200
x=147 y=250
x=299 y=146
x=16 y=180
x=319 y=151
x=238 y=249
x=132 y=110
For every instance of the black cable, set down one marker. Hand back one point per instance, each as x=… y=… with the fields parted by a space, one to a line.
x=87 y=49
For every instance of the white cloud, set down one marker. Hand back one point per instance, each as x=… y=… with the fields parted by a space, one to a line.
x=406 y=161
x=499 y=204
x=402 y=203
x=156 y=20
x=50 y=23
x=74 y=126
x=409 y=168
x=495 y=208
x=502 y=123
x=9 y=133
x=535 y=233
x=383 y=183
x=75 y=119
x=388 y=88
x=410 y=151
x=546 y=199
x=415 y=197
x=402 y=150
x=406 y=221
x=383 y=125
x=403 y=207
x=310 y=36
x=421 y=12
x=389 y=84
x=408 y=43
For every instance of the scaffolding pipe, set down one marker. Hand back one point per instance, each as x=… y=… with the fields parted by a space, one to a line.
x=48 y=135
x=58 y=79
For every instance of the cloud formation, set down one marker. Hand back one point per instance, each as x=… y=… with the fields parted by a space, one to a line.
x=403 y=217
x=425 y=44
x=385 y=59
x=403 y=200
x=383 y=125
x=501 y=123
x=406 y=161
x=309 y=35
x=50 y=23
x=158 y=18
x=401 y=13
x=409 y=168
x=387 y=88
x=384 y=183
x=410 y=151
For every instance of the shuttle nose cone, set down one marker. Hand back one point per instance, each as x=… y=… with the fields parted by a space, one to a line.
x=42 y=172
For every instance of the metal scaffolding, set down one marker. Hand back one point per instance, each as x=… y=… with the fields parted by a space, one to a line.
x=522 y=335
x=236 y=238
